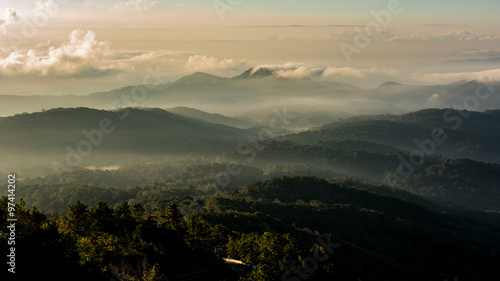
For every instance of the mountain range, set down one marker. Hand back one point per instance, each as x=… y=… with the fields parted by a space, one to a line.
x=367 y=147
x=258 y=88
x=407 y=194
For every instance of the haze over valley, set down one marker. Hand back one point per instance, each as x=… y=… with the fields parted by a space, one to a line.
x=152 y=140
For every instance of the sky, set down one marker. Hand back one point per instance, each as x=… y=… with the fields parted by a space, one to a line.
x=78 y=47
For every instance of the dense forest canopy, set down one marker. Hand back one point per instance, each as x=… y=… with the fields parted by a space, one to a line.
x=186 y=196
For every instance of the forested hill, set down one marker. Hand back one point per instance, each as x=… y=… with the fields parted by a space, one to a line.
x=473 y=135
x=274 y=225
x=130 y=129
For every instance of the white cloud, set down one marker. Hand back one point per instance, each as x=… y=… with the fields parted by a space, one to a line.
x=456 y=35
x=137 y=5
x=9 y=16
x=81 y=56
x=434 y=101
x=483 y=76
x=204 y=63
x=338 y=72
x=301 y=70
x=391 y=36
x=149 y=56
x=89 y=4
x=465 y=35
x=486 y=52
x=48 y=6
x=293 y=70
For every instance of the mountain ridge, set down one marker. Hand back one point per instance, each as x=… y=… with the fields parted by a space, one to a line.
x=255 y=89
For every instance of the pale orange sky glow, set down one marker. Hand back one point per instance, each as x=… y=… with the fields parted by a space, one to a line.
x=78 y=47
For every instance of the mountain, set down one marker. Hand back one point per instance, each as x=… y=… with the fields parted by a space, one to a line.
x=199 y=78
x=85 y=136
x=393 y=86
x=462 y=183
x=260 y=72
x=299 y=117
x=213 y=118
x=365 y=147
x=256 y=89
x=473 y=135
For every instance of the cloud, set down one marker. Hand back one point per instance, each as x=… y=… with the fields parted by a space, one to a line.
x=149 y=56
x=89 y=4
x=48 y=6
x=43 y=45
x=485 y=52
x=456 y=35
x=483 y=76
x=337 y=72
x=465 y=35
x=204 y=63
x=391 y=36
x=137 y=5
x=9 y=16
x=81 y=56
x=292 y=70
x=302 y=70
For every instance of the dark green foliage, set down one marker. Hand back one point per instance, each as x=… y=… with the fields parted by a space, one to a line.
x=170 y=220
x=99 y=243
x=462 y=181
x=473 y=135
x=272 y=225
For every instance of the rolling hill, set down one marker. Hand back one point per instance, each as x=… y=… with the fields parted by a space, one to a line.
x=73 y=134
x=473 y=135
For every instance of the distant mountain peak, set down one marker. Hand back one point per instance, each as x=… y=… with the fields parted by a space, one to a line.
x=198 y=77
x=257 y=72
x=390 y=84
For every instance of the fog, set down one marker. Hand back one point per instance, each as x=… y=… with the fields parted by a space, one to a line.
x=244 y=94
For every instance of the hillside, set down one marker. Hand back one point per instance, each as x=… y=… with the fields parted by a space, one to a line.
x=107 y=137
x=198 y=151
x=193 y=113
x=472 y=135
x=272 y=224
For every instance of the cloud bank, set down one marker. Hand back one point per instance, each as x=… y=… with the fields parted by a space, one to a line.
x=391 y=36
x=81 y=56
x=483 y=76
x=205 y=63
x=301 y=70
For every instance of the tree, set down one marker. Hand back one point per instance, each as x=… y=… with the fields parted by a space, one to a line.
x=123 y=217
x=76 y=221
x=138 y=211
x=154 y=274
x=174 y=220
x=102 y=217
